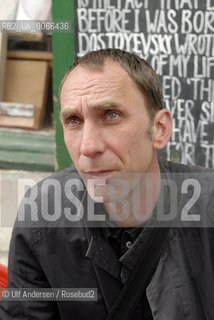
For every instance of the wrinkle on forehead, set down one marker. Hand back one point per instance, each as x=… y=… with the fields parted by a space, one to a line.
x=83 y=81
x=93 y=88
x=88 y=86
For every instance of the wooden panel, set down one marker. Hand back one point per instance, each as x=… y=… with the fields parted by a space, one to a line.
x=3 y=54
x=26 y=141
x=26 y=161
x=32 y=55
x=17 y=122
x=27 y=150
x=25 y=36
x=26 y=82
x=16 y=109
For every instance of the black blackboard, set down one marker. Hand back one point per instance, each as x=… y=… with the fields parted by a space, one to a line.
x=177 y=38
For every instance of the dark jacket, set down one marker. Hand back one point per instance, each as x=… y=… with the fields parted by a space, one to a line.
x=61 y=254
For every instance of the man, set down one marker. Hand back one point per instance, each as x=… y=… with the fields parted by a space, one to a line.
x=114 y=123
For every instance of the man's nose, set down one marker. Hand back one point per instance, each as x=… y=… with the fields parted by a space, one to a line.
x=92 y=142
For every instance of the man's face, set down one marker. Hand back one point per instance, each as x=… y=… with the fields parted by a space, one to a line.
x=107 y=129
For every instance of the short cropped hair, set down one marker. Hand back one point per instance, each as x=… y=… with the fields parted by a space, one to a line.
x=140 y=71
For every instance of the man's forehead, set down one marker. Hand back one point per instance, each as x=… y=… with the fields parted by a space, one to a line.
x=93 y=80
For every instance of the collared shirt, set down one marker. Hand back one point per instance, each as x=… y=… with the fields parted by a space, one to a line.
x=122 y=239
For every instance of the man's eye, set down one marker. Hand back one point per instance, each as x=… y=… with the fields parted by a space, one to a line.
x=74 y=120
x=112 y=115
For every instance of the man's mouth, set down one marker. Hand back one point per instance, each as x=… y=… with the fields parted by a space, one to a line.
x=99 y=173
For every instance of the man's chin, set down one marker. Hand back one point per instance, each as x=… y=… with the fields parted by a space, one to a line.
x=100 y=191
x=111 y=188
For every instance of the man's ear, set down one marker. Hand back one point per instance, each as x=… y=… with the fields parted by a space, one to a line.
x=162 y=128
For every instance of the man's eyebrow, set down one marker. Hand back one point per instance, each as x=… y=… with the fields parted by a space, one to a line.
x=67 y=112
x=106 y=105
x=70 y=111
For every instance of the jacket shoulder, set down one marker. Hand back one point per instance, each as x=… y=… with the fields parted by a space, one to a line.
x=52 y=203
x=183 y=168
